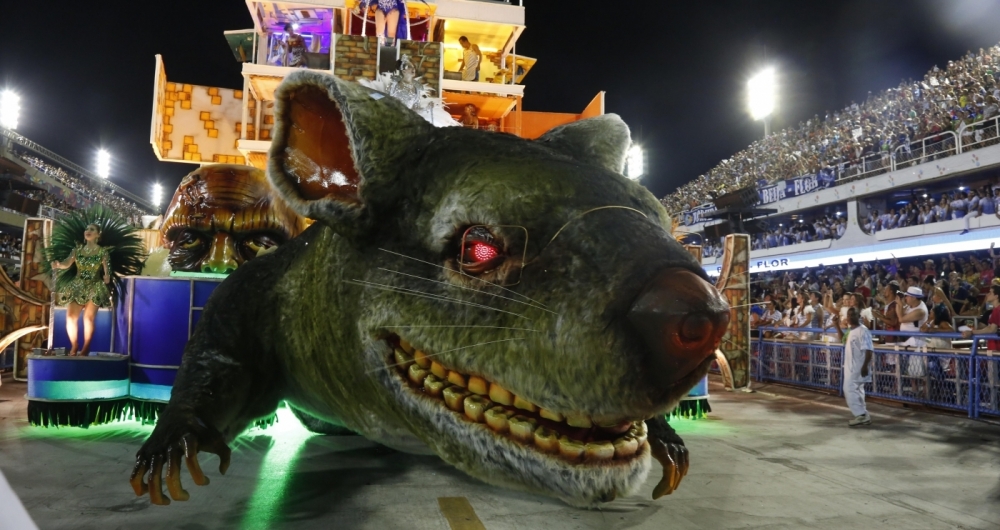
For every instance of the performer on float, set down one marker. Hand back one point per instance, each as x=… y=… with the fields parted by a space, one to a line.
x=387 y=14
x=97 y=244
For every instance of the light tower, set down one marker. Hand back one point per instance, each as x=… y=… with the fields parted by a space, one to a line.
x=635 y=166
x=10 y=108
x=761 y=97
x=157 y=194
x=103 y=163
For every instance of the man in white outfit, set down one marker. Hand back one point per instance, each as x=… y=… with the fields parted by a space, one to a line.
x=858 y=350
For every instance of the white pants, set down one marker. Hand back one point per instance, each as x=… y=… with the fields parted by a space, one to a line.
x=854 y=392
x=969 y=216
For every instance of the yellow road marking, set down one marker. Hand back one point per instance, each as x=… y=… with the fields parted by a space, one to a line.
x=459 y=513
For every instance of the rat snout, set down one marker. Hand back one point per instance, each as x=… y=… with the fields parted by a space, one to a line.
x=681 y=318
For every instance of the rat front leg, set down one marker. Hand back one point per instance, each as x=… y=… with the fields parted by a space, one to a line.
x=669 y=450
x=223 y=384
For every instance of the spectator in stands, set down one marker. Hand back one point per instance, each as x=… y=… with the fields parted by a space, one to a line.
x=889 y=317
x=912 y=313
x=858 y=351
x=992 y=325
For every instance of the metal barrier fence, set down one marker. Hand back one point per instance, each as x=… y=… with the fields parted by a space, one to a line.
x=963 y=380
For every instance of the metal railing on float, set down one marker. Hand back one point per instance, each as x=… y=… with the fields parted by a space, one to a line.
x=947 y=371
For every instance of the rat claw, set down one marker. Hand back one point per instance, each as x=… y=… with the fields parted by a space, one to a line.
x=667 y=484
x=191 y=456
x=177 y=491
x=224 y=458
x=155 y=491
x=136 y=479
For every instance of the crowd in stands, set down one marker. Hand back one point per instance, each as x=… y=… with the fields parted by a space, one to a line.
x=965 y=92
x=10 y=246
x=82 y=186
x=953 y=289
x=960 y=204
x=823 y=227
x=46 y=199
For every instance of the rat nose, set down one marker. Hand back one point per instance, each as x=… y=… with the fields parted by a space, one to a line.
x=681 y=318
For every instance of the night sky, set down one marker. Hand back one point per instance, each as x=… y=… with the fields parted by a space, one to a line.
x=675 y=71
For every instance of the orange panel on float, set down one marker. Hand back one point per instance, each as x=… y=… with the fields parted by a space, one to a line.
x=204 y=117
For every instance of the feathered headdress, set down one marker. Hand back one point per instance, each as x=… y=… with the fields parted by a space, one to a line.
x=127 y=250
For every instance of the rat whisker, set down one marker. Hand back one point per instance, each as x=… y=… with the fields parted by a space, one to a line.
x=431 y=296
x=457 y=326
x=466 y=289
x=472 y=277
x=446 y=351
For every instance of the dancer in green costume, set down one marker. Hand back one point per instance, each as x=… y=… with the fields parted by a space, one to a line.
x=109 y=248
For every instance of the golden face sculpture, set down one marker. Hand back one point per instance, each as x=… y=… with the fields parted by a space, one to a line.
x=223 y=215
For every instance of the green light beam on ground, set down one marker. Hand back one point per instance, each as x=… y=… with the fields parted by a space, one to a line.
x=288 y=438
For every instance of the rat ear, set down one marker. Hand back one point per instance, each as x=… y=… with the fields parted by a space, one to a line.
x=601 y=141
x=335 y=142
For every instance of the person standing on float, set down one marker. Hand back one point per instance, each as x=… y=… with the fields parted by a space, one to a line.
x=858 y=351
x=89 y=289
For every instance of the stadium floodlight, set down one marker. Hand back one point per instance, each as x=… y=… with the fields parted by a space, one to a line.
x=10 y=108
x=157 y=195
x=635 y=165
x=761 y=97
x=103 y=163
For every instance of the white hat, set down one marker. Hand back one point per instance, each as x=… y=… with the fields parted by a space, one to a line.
x=914 y=291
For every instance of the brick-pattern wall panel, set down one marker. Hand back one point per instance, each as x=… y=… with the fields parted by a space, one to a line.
x=27 y=302
x=426 y=56
x=200 y=124
x=355 y=57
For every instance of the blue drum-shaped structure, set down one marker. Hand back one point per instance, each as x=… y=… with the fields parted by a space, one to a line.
x=77 y=391
x=694 y=405
x=154 y=322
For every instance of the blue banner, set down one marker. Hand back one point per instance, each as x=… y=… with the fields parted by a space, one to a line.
x=797 y=186
x=696 y=215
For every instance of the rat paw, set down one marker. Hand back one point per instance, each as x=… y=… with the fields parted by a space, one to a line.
x=170 y=441
x=675 y=461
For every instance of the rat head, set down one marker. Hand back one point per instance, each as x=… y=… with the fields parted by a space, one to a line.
x=223 y=215
x=523 y=306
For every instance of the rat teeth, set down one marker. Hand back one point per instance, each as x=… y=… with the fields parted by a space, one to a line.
x=497 y=419
x=417 y=374
x=578 y=420
x=478 y=385
x=504 y=413
x=421 y=359
x=433 y=385
x=522 y=428
x=625 y=447
x=475 y=407
x=456 y=378
x=439 y=370
x=600 y=451
x=546 y=440
x=454 y=397
x=549 y=415
x=524 y=404
x=402 y=358
x=570 y=449
x=500 y=395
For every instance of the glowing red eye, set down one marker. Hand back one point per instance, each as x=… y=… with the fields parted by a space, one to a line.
x=482 y=252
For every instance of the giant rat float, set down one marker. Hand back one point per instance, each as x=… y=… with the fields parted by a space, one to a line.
x=516 y=307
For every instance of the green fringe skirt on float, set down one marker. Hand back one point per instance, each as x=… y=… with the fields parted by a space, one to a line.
x=695 y=405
